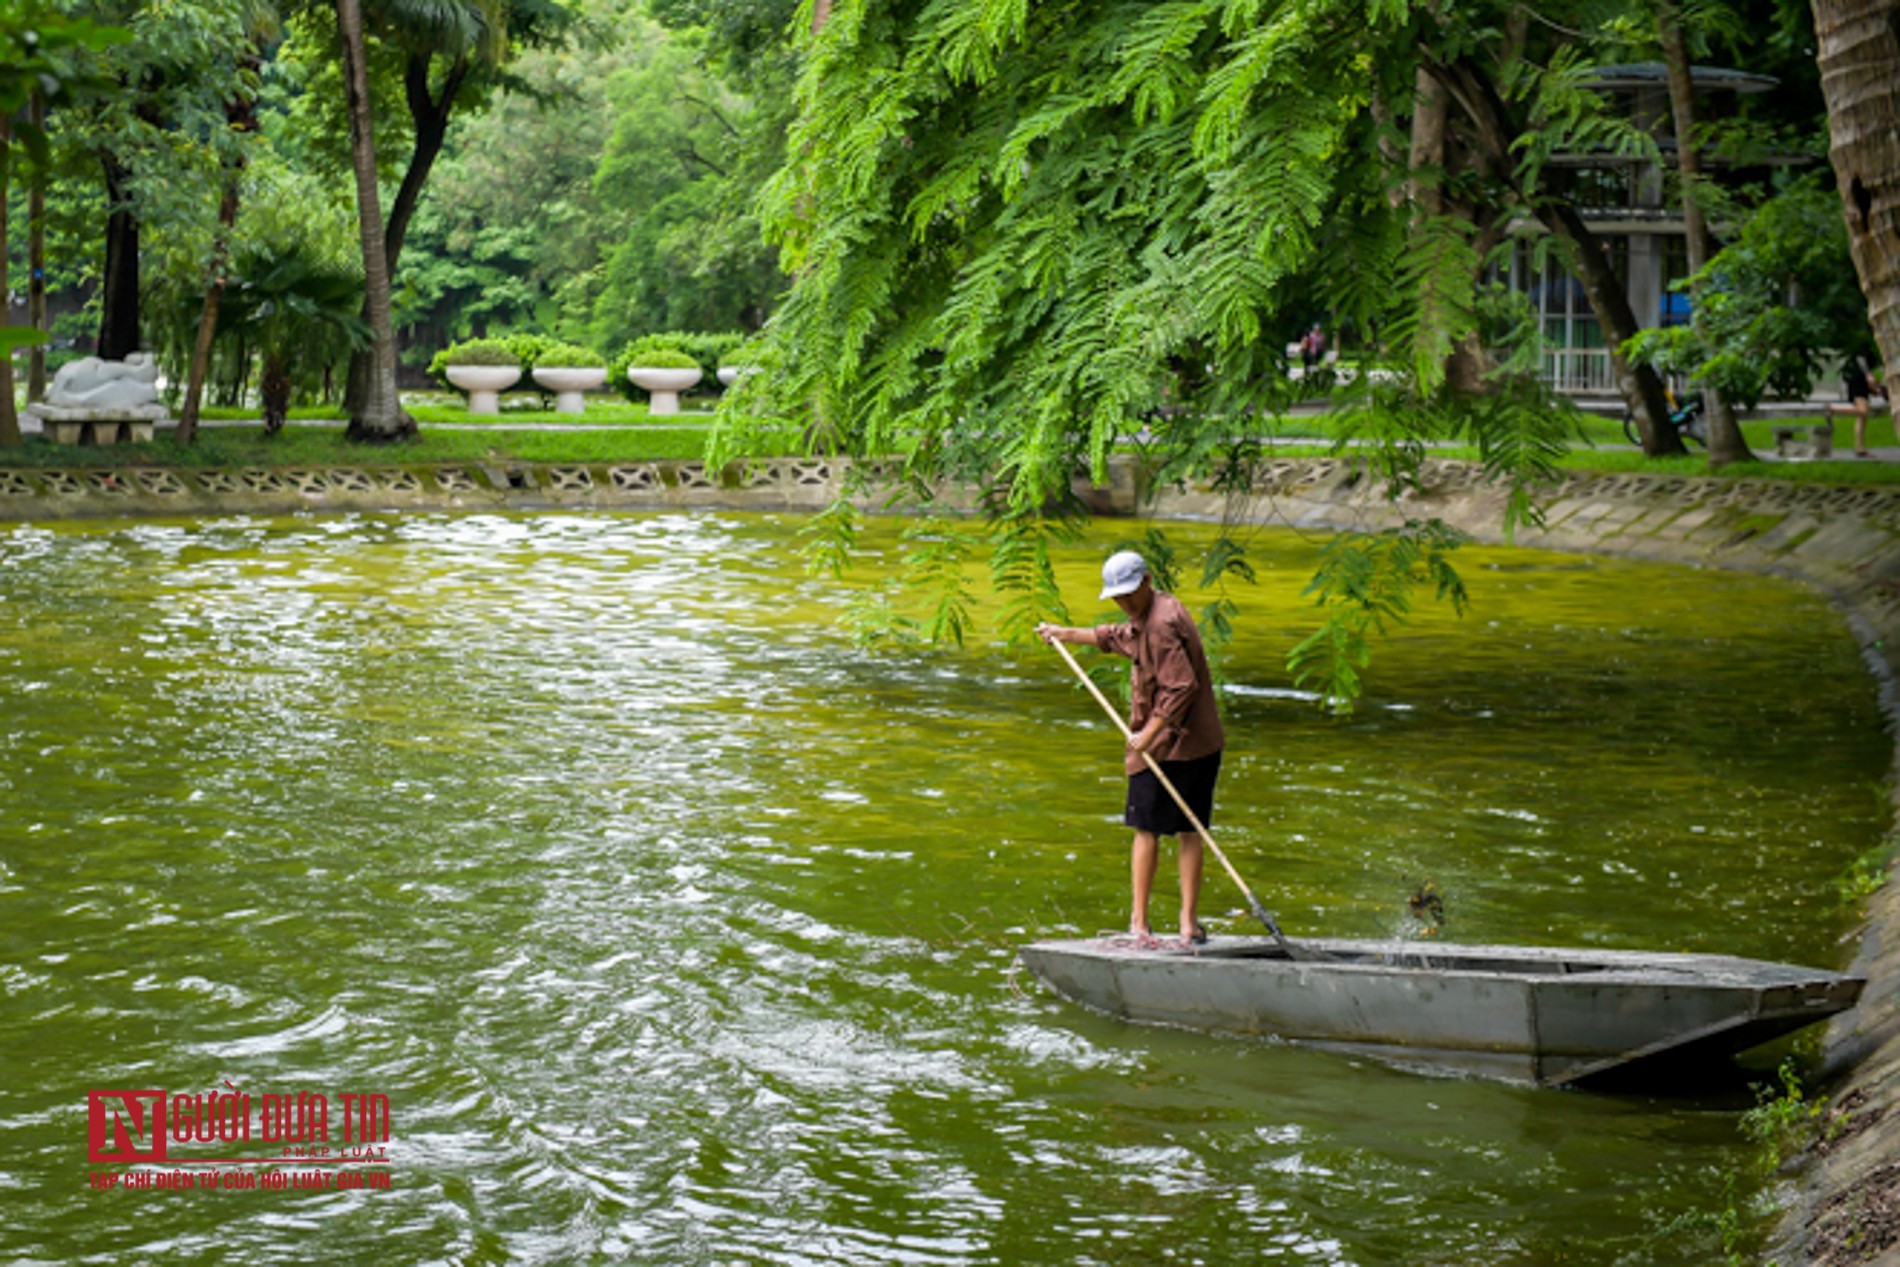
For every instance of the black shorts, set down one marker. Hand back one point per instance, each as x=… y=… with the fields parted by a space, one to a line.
x=1150 y=808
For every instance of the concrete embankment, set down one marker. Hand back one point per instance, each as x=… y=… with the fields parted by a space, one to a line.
x=1845 y=541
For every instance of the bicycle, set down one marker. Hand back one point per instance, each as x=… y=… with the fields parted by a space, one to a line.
x=1685 y=419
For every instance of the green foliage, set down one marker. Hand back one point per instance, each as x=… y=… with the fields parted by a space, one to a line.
x=688 y=151
x=679 y=349
x=936 y=559
x=529 y=350
x=1022 y=573
x=290 y=311
x=457 y=282
x=38 y=44
x=833 y=531
x=301 y=316
x=1866 y=875
x=1022 y=235
x=474 y=352
x=663 y=359
x=566 y=354
x=1784 y=1121
x=1770 y=304
x=1364 y=584
x=523 y=351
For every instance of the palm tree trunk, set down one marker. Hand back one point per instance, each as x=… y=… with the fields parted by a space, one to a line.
x=1725 y=437
x=429 y=116
x=1858 y=48
x=9 y=420
x=380 y=418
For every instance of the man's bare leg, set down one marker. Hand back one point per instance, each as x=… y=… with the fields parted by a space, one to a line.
x=1192 y=854
x=1141 y=870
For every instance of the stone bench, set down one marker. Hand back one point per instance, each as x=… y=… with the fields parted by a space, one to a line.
x=1805 y=443
x=65 y=424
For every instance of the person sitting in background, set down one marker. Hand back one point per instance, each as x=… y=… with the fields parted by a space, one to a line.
x=1859 y=385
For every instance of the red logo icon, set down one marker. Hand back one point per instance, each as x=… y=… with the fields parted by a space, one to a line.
x=125 y=1126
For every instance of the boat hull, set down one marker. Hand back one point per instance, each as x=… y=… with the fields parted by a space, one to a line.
x=1543 y=1016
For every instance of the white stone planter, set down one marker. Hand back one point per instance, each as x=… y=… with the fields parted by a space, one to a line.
x=567 y=382
x=730 y=374
x=664 y=384
x=483 y=383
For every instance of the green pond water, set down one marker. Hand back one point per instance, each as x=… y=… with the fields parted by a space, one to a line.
x=677 y=930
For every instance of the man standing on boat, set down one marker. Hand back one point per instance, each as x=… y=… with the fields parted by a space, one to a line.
x=1174 y=719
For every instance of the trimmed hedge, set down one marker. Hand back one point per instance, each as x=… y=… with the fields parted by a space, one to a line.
x=707 y=351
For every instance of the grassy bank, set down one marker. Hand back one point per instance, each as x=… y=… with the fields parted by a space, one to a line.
x=613 y=431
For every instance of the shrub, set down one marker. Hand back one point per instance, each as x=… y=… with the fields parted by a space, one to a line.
x=523 y=350
x=566 y=354
x=529 y=349
x=703 y=350
x=664 y=359
x=471 y=352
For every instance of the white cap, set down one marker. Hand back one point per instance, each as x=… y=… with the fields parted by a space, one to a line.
x=1123 y=574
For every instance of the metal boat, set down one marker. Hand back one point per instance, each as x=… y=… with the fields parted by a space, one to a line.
x=1544 y=1016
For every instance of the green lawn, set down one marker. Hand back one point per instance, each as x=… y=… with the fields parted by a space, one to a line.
x=517 y=411
x=614 y=431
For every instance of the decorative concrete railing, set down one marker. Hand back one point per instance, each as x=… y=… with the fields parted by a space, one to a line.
x=30 y=493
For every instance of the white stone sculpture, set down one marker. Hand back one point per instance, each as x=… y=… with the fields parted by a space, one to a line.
x=90 y=383
x=94 y=401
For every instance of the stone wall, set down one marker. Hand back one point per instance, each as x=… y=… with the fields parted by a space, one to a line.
x=1843 y=540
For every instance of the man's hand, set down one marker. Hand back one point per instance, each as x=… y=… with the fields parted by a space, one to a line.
x=1051 y=634
x=1144 y=739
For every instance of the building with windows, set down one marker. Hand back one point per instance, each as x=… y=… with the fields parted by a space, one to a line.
x=1628 y=204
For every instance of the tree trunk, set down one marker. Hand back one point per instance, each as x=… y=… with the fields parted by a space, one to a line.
x=1858 y=45
x=380 y=418
x=430 y=116
x=1467 y=365
x=273 y=389
x=1430 y=110
x=1428 y=162
x=1639 y=385
x=9 y=420
x=208 y=315
x=240 y=114
x=1725 y=437
x=119 y=288
x=36 y=261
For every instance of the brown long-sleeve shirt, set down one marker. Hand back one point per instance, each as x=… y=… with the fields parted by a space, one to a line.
x=1171 y=681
